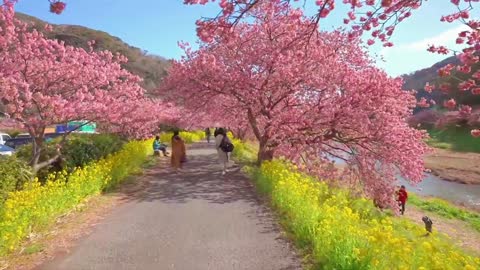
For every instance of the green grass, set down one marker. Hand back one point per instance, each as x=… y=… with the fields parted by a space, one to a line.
x=447 y=210
x=454 y=138
x=34 y=248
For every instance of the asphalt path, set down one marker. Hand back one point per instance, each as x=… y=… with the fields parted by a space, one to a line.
x=196 y=219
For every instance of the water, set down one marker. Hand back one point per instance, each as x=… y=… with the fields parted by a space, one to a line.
x=468 y=195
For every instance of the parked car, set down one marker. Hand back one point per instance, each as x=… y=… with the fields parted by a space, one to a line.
x=4 y=137
x=5 y=150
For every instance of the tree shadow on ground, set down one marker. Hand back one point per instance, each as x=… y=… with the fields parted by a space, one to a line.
x=200 y=179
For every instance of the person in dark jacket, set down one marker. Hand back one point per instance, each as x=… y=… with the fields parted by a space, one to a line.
x=207 y=134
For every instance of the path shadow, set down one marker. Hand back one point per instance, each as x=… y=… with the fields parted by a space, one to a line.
x=200 y=179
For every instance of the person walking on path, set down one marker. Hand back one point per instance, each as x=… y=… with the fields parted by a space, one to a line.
x=178 y=151
x=221 y=135
x=402 y=198
x=207 y=134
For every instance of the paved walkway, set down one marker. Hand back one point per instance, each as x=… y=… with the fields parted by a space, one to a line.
x=197 y=219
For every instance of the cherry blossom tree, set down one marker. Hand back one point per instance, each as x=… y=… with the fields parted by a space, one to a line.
x=377 y=18
x=44 y=82
x=308 y=99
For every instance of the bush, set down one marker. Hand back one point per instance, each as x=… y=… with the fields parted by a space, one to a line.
x=24 y=153
x=79 y=150
x=14 y=173
x=38 y=205
x=83 y=149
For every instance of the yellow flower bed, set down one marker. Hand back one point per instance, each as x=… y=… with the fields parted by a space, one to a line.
x=187 y=136
x=347 y=233
x=342 y=232
x=38 y=205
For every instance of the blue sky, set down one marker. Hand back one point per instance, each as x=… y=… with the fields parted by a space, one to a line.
x=157 y=26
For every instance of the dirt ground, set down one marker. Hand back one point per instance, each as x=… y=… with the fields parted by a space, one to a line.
x=454 y=166
x=458 y=231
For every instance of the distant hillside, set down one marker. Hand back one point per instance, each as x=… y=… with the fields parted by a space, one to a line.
x=419 y=78
x=150 y=67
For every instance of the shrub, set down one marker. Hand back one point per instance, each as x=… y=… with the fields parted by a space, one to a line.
x=24 y=153
x=79 y=150
x=38 y=205
x=83 y=149
x=13 y=174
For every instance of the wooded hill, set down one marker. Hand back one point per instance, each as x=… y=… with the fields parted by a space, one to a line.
x=151 y=68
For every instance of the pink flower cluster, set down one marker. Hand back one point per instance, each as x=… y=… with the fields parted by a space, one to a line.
x=57 y=6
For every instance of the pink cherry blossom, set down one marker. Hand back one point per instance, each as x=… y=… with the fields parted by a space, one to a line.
x=43 y=83
x=57 y=6
x=303 y=98
x=450 y=104
x=429 y=88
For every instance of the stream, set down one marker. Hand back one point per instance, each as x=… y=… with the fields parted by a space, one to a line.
x=458 y=193
x=468 y=195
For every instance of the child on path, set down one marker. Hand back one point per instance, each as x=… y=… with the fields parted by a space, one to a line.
x=402 y=198
x=159 y=146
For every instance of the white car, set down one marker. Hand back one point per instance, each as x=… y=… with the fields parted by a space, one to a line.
x=4 y=137
x=5 y=150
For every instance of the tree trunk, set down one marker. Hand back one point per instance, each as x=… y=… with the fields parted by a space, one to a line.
x=37 y=146
x=265 y=153
x=240 y=133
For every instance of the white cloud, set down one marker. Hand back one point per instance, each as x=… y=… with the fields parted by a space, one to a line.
x=407 y=57
x=446 y=38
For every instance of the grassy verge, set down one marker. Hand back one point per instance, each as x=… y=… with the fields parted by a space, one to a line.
x=456 y=139
x=446 y=209
x=343 y=232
